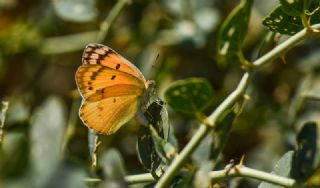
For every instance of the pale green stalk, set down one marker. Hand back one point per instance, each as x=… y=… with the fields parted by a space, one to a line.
x=227 y=103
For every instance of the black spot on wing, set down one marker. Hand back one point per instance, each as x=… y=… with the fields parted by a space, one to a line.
x=95 y=74
x=113 y=77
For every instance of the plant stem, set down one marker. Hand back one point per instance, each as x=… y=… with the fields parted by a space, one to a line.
x=72 y=121
x=237 y=171
x=231 y=99
x=242 y=171
x=67 y=43
x=113 y=14
x=139 y=178
x=4 y=108
x=227 y=103
x=203 y=131
x=283 y=47
x=74 y=42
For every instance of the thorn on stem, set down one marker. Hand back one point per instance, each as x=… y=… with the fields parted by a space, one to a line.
x=234 y=166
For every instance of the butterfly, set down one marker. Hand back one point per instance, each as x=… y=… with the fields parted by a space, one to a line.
x=110 y=86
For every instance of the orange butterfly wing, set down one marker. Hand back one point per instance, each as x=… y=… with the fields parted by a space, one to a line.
x=103 y=55
x=94 y=80
x=108 y=115
x=110 y=86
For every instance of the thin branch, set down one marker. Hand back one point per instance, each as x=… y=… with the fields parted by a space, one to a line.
x=283 y=47
x=232 y=98
x=139 y=178
x=4 y=108
x=252 y=173
x=226 y=104
x=74 y=42
x=67 y=43
x=72 y=121
x=237 y=171
x=113 y=14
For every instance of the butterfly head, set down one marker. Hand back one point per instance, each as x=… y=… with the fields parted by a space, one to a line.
x=151 y=83
x=149 y=95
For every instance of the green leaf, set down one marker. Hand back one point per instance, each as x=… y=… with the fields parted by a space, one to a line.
x=182 y=180
x=203 y=151
x=234 y=29
x=269 y=42
x=70 y=175
x=303 y=165
x=14 y=154
x=282 y=168
x=189 y=96
x=19 y=111
x=20 y=37
x=75 y=10
x=157 y=115
x=147 y=154
x=47 y=134
x=150 y=141
x=298 y=7
x=202 y=178
x=112 y=165
x=164 y=149
x=222 y=132
x=293 y=7
x=279 y=21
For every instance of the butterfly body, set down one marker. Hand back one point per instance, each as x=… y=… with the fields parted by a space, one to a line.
x=110 y=87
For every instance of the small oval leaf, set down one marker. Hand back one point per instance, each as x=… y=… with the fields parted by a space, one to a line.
x=283 y=23
x=293 y=7
x=279 y=21
x=47 y=134
x=203 y=151
x=234 y=29
x=282 y=168
x=189 y=96
x=75 y=10
x=303 y=165
x=146 y=151
x=222 y=132
x=164 y=149
x=112 y=164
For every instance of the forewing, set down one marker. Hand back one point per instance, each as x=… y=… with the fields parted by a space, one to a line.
x=108 y=115
x=96 y=82
x=103 y=55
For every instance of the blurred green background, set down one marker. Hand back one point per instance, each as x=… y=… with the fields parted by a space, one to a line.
x=41 y=44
